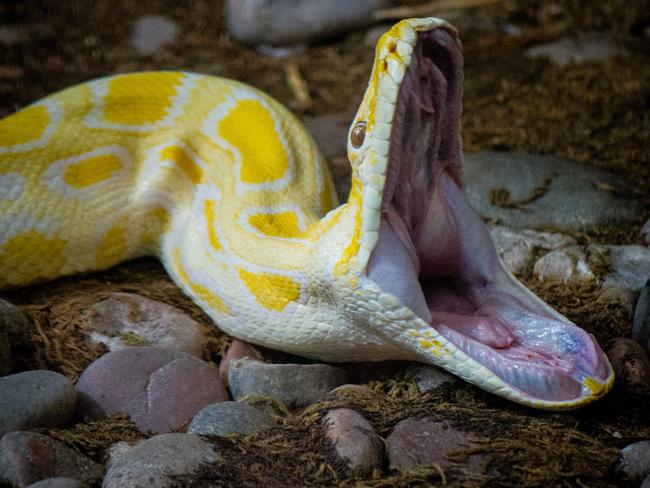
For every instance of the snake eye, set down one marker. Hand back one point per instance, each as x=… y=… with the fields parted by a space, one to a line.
x=358 y=134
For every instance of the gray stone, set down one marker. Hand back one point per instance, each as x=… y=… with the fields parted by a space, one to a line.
x=154 y=323
x=28 y=457
x=230 y=418
x=35 y=399
x=566 y=265
x=630 y=266
x=428 y=378
x=237 y=350
x=12 y=319
x=294 y=384
x=156 y=462
x=153 y=32
x=646 y=483
x=635 y=460
x=517 y=248
x=58 y=483
x=330 y=131
x=161 y=390
x=641 y=320
x=423 y=442
x=579 y=196
x=286 y=22
x=354 y=440
x=583 y=48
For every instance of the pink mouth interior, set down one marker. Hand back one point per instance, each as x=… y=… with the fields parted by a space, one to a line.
x=435 y=254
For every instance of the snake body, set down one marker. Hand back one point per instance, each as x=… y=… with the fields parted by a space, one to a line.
x=225 y=185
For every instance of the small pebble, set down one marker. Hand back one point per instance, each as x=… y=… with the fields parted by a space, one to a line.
x=428 y=378
x=227 y=418
x=159 y=462
x=631 y=365
x=586 y=47
x=161 y=390
x=237 y=350
x=635 y=460
x=518 y=247
x=354 y=440
x=566 y=265
x=154 y=323
x=28 y=457
x=295 y=385
x=421 y=442
x=58 y=483
x=35 y=399
x=152 y=32
x=287 y=22
x=641 y=320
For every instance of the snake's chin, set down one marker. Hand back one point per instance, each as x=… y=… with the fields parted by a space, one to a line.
x=436 y=256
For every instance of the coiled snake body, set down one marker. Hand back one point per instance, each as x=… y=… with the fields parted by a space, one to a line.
x=226 y=187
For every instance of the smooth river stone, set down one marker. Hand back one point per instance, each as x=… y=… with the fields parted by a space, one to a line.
x=28 y=457
x=35 y=399
x=296 y=385
x=227 y=418
x=579 y=196
x=161 y=390
x=159 y=462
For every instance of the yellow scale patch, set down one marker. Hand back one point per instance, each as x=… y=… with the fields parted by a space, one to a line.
x=140 y=100
x=92 y=170
x=155 y=222
x=24 y=126
x=112 y=248
x=272 y=291
x=281 y=224
x=251 y=129
x=213 y=301
x=210 y=214
x=31 y=250
x=184 y=161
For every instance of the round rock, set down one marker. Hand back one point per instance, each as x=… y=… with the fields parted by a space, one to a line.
x=156 y=324
x=574 y=198
x=428 y=378
x=12 y=319
x=295 y=385
x=28 y=457
x=159 y=461
x=161 y=390
x=422 y=442
x=286 y=22
x=354 y=440
x=229 y=418
x=237 y=350
x=641 y=321
x=635 y=460
x=631 y=365
x=35 y=399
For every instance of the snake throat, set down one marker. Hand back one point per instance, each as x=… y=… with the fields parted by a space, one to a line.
x=436 y=256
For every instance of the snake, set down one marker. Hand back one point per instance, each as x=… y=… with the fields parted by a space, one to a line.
x=226 y=187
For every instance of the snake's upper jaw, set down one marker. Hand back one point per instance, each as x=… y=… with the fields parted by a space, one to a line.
x=435 y=255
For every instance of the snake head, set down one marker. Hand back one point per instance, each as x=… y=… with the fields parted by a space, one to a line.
x=428 y=280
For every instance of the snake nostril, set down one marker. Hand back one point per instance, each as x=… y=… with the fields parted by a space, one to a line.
x=358 y=134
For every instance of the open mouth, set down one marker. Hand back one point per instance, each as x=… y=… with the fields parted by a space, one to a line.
x=436 y=256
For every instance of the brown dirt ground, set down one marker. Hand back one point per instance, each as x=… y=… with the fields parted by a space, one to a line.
x=597 y=114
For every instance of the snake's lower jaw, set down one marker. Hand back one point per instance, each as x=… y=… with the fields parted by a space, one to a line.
x=435 y=255
x=482 y=314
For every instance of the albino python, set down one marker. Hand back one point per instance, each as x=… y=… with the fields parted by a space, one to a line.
x=227 y=188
